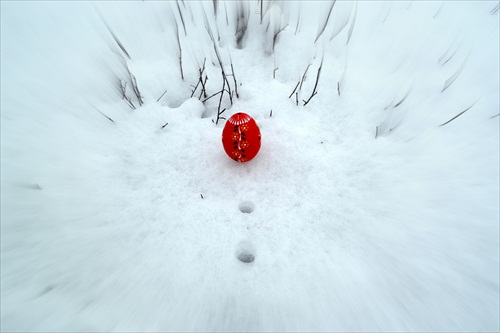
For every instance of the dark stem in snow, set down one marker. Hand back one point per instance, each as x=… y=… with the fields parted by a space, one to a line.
x=180 y=52
x=274 y=72
x=206 y=99
x=401 y=101
x=161 y=96
x=297 y=26
x=164 y=125
x=101 y=112
x=123 y=89
x=315 y=85
x=220 y=102
x=338 y=88
x=135 y=88
x=304 y=77
x=276 y=35
x=294 y=89
x=326 y=21
x=235 y=84
x=458 y=115
x=182 y=18
x=120 y=45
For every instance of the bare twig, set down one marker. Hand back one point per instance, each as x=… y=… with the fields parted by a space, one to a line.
x=351 y=28
x=274 y=72
x=101 y=112
x=135 y=88
x=182 y=18
x=180 y=51
x=220 y=102
x=203 y=90
x=297 y=26
x=458 y=115
x=195 y=88
x=401 y=101
x=338 y=88
x=120 y=45
x=235 y=83
x=294 y=89
x=161 y=96
x=304 y=77
x=206 y=99
x=326 y=21
x=123 y=89
x=315 y=85
x=276 y=35
x=164 y=125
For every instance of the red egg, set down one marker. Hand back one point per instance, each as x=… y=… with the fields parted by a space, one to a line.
x=241 y=137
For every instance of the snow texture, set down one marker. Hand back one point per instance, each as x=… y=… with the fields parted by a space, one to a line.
x=365 y=210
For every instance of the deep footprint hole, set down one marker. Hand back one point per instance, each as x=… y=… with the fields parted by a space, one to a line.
x=246 y=207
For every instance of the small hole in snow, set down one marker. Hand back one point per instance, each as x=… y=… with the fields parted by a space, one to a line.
x=246 y=207
x=245 y=256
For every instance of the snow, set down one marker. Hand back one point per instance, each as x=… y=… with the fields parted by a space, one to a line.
x=360 y=211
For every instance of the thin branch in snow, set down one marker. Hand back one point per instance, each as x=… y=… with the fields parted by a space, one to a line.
x=235 y=84
x=161 y=96
x=452 y=78
x=180 y=51
x=274 y=72
x=275 y=38
x=135 y=88
x=120 y=45
x=495 y=116
x=206 y=99
x=182 y=18
x=294 y=89
x=315 y=85
x=402 y=100
x=297 y=26
x=351 y=28
x=304 y=77
x=271 y=113
x=101 y=112
x=203 y=91
x=164 y=125
x=458 y=115
x=261 y=10
x=216 y=4
x=123 y=89
x=338 y=88
x=195 y=88
x=326 y=21
x=219 y=112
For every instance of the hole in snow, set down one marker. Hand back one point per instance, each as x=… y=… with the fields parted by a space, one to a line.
x=245 y=256
x=245 y=252
x=246 y=207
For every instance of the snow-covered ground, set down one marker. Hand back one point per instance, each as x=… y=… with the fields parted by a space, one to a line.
x=362 y=213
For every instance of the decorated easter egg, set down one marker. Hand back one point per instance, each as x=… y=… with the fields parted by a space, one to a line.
x=241 y=137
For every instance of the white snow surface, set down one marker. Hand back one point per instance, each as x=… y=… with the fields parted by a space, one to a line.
x=362 y=213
